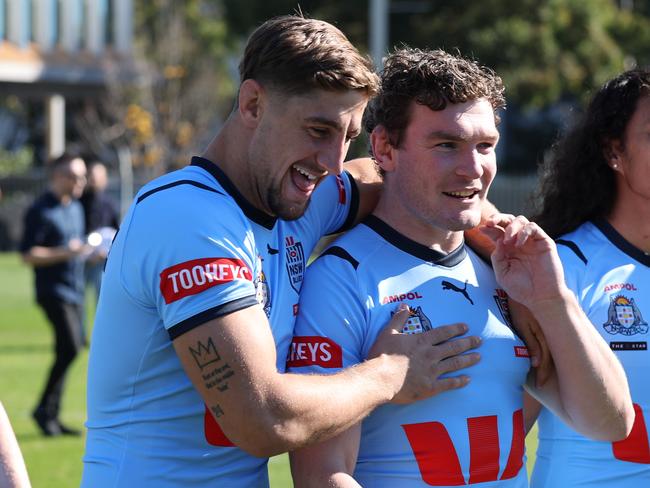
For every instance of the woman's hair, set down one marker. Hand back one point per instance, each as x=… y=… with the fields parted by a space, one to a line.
x=577 y=184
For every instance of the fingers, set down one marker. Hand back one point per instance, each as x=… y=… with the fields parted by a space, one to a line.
x=397 y=321
x=456 y=347
x=444 y=333
x=455 y=363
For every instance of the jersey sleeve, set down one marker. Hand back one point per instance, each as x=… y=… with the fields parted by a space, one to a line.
x=330 y=327
x=334 y=205
x=190 y=255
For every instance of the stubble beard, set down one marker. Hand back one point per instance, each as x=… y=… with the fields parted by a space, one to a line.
x=284 y=210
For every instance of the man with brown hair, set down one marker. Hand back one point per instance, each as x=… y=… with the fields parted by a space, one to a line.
x=201 y=285
x=433 y=133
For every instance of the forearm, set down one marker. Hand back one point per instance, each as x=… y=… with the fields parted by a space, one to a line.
x=591 y=385
x=13 y=473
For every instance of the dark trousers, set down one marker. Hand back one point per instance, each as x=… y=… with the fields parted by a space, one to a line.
x=65 y=319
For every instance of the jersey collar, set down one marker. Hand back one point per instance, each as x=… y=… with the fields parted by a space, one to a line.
x=619 y=241
x=416 y=249
x=253 y=213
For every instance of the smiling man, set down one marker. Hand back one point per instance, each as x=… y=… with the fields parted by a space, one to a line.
x=186 y=383
x=433 y=132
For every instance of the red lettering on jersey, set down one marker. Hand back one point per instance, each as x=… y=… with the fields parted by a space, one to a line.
x=213 y=433
x=412 y=295
x=522 y=352
x=435 y=453
x=634 y=448
x=314 y=351
x=197 y=275
x=438 y=460
x=341 y=186
x=620 y=286
x=483 y=449
x=517 y=446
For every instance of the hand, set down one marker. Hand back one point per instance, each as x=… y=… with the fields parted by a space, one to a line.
x=531 y=333
x=420 y=359
x=525 y=260
x=76 y=247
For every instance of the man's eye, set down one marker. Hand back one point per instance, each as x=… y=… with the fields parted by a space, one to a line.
x=485 y=147
x=446 y=145
x=319 y=132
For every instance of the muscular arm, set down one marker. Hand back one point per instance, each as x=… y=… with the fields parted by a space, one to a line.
x=231 y=361
x=330 y=463
x=588 y=387
x=13 y=473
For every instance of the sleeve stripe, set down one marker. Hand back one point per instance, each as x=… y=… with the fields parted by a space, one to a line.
x=212 y=313
x=341 y=253
x=354 y=205
x=574 y=247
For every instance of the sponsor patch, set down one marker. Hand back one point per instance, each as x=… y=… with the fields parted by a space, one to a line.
x=192 y=277
x=314 y=351
x=629 y=346
x=400 y=297
x=522 y=352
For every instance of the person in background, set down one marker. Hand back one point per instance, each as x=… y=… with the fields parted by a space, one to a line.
x=595 y=194
x=433 y=129
x=100 y=211
x=13 y=473
x=53 y=243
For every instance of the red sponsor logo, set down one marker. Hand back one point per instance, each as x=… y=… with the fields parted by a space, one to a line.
x=341 y=186
x=412 y=295
x=620 y=286
x=522 y=352
x=213 y=433
x=197 y=275
x=314 y=351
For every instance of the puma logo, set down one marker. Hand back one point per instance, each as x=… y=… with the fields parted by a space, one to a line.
x=271 y=251
x=446 y=285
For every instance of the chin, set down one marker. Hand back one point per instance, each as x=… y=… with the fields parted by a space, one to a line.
x=290 y=212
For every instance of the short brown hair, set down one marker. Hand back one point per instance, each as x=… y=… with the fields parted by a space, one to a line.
x=431 y=78
x=298 y=55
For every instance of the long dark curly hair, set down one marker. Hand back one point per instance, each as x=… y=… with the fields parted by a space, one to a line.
x=577 y=184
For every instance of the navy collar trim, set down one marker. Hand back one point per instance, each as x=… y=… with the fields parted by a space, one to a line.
x=416 y=249
x=253 y=213
x=619 y=241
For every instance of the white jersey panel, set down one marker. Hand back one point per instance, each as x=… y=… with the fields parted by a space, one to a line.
x=189 y=250
x=472 y=435
x=612 y=282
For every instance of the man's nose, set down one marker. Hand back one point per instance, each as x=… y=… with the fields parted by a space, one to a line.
x=332 y=157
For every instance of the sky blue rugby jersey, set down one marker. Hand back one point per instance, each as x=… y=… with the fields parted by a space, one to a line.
x=611 y=279
x=189 y=250
x=474 y=435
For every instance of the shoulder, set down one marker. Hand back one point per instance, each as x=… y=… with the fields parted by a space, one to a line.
x=355 y=250
x=581 y=246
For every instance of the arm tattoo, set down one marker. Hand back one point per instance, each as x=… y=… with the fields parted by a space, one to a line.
x=217 y=411
x=206 y=354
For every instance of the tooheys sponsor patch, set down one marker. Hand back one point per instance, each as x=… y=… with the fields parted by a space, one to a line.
x=192 y=277
x=314 y=351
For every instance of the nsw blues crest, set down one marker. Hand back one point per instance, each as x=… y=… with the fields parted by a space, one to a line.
x=417 y=322
x=295 y=257
x=624 y=317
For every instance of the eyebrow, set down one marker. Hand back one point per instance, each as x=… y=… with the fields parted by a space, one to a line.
x=456 y=136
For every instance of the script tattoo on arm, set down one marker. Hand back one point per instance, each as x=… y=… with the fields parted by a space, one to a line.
x=217 y=411
x=208 y=359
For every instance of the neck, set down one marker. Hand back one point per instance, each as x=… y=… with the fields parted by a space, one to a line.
x=438 y=239
x=632 y=222
x=228 y=150
x=64 y=198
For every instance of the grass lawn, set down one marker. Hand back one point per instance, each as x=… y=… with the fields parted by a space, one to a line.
x=25 y=356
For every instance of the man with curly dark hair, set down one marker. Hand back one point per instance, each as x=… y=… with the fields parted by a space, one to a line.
x=595 y=194
x=434 y=133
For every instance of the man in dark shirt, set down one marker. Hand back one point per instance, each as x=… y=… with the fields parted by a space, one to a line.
x=100 y=212
x=53 y=243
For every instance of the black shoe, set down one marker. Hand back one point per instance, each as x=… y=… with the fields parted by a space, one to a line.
x=49 y=427
x=67 y=430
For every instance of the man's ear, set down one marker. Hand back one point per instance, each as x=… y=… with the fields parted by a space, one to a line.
x=382 y=149
x=251 y=101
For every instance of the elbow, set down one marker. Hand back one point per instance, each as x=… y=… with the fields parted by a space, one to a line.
x=614 y=427
x=269 y=436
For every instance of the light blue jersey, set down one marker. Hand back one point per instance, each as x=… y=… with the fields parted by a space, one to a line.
x=611 y=279
x=473 y=435
x=189 y=250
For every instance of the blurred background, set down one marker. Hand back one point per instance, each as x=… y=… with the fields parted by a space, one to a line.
x=143 y=85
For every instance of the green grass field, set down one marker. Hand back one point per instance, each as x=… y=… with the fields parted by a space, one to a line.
x=25 y=356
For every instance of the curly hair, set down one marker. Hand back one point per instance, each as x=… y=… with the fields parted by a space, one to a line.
x=297 y=55
x=577 y=184
x=428 y=77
